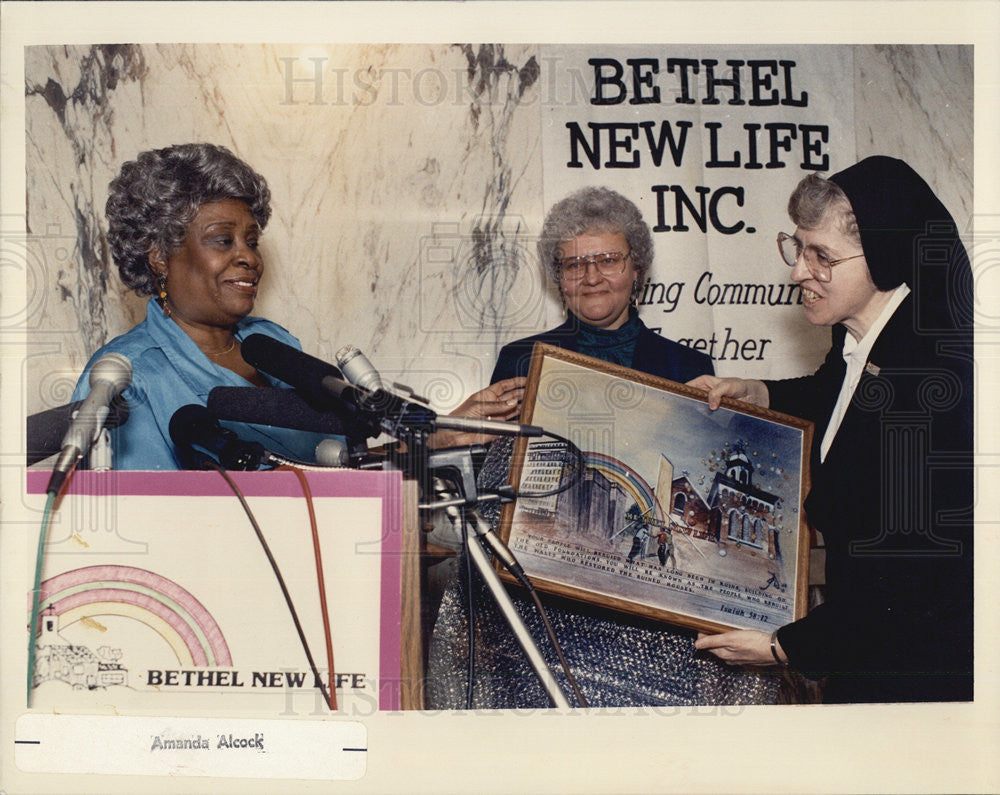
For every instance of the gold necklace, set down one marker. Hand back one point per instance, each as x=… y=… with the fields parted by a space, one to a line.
x=223 y=353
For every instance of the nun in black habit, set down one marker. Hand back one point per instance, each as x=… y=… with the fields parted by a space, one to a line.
x=879 y=259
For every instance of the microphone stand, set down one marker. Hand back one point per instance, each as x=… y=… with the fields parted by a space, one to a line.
x=412 y=424
x=461 y=510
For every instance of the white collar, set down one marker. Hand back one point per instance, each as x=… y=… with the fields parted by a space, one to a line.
x=856 y=356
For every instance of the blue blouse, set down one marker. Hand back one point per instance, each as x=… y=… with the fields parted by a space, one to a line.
x=169 y=371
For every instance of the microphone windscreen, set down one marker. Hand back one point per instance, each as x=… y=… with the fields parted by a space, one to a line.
x=193 y=428
x=46 y=429
x=190 y=424
x=288 y=364
x=281 y=408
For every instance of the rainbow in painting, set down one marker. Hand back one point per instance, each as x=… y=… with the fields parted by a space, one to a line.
x=629 y=480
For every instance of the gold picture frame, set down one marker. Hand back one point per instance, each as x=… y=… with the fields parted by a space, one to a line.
x=729 y=548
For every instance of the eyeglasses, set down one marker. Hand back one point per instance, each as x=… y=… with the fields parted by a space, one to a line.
x=610 y=263
x=819 y=264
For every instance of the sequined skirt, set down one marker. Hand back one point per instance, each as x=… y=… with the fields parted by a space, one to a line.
x=617 y=660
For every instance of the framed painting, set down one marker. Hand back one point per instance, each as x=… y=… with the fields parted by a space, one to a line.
x=655 y=504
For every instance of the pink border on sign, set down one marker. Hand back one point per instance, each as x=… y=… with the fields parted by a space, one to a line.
x=337 y=483
x=340 y=483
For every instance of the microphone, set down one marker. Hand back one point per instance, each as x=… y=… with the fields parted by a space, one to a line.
x=447 y=422
x=394 y=414
x=360 y=372
x=332 y=453
x=379 y=410
x=45 y=429
x=317 y=381
x=193 y=426
x=109 y=377
x=357 y=369
x=304 y=372
x=282 y=408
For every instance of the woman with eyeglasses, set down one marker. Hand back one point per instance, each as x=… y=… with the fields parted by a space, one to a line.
x=597 y=249
x=878 y=258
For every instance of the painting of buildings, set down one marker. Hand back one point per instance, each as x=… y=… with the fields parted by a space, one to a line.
x=679 y=509
x=597 y=507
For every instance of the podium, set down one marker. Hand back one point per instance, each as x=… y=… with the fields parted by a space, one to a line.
x=157 y=597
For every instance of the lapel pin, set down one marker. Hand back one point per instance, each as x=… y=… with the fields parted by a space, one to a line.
x=872 y=369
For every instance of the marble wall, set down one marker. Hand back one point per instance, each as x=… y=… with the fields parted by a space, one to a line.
x=917 y=103
x=406 y=185
x=393 y=170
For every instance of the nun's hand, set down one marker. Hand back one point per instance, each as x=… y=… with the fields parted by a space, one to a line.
x=746 y=389
x=741 y=647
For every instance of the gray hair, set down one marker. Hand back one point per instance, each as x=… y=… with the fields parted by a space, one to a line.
x=591 y=210
x=155 y=197
x=817 y=201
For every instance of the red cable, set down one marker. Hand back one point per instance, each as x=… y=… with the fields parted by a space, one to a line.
x=319 y=579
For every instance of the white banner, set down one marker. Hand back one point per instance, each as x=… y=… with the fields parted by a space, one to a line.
x=708 y=141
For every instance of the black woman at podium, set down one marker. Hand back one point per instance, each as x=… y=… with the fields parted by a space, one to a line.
x=184 y=226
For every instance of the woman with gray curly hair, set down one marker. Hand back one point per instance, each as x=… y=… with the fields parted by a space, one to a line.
x=156 y=196
x=184 y=224
x=598 y=249
x=590 y=210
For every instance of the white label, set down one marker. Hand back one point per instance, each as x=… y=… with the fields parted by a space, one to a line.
x=218 y=747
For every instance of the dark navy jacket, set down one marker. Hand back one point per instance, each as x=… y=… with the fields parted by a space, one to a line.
x=653 y=354
x=894 y=496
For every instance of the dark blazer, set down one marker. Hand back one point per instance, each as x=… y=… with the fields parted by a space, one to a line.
x=893 y=500
x=653 y=354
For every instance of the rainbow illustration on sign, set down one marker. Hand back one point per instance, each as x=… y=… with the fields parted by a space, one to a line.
x=629 y=480
x=161 y=604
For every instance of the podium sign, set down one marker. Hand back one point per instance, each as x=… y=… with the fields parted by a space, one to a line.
x=157 y=597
